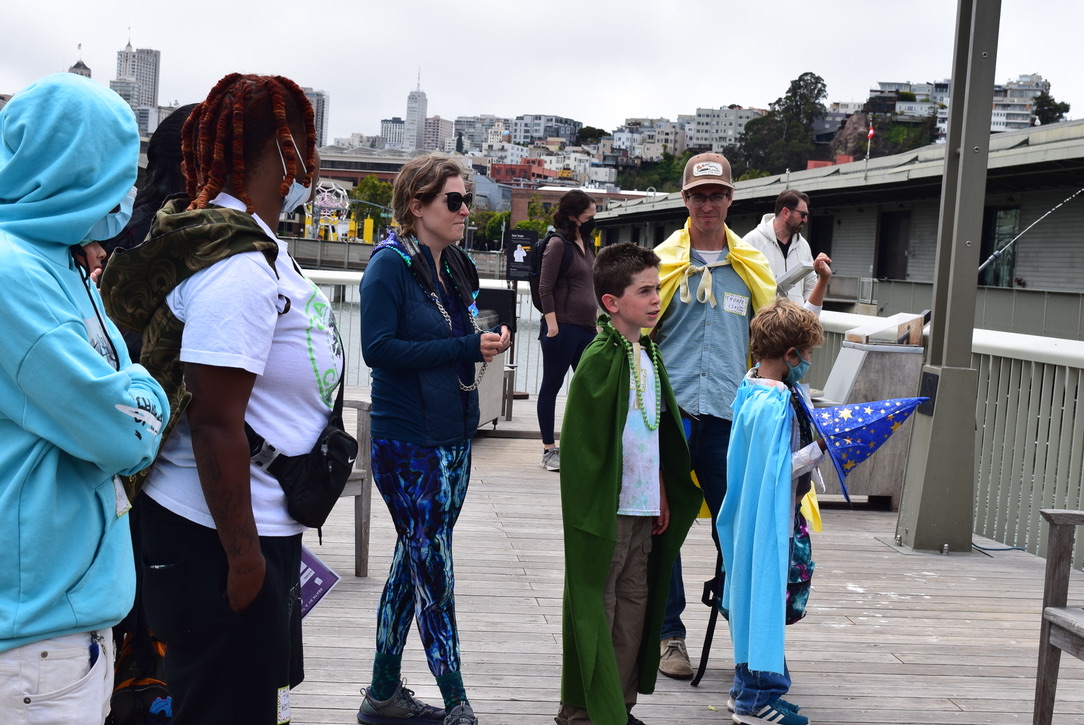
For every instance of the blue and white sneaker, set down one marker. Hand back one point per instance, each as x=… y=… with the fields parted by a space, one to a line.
x=774 y=712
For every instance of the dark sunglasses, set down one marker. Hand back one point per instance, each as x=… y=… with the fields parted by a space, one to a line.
x=456 y=200
x=803 y=214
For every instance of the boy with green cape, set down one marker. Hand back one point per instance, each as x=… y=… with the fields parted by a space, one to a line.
x=627 y=499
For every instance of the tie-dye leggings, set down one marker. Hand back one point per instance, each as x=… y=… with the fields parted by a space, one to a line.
x=424 y=490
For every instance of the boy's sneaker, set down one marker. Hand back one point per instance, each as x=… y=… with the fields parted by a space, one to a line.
x=780 y=704
x=400 y=707
x=461 y=714
x=775 y=713
x=551 y=459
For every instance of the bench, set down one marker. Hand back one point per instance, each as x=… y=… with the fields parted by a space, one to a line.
x=360 y=486
x=1062 y=625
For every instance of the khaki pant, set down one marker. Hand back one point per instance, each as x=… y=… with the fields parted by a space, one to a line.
x=625 y=601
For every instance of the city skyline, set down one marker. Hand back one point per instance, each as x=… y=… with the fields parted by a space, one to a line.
x=598 y=73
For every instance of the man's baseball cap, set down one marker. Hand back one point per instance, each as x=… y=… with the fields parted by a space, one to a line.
x=706 y=169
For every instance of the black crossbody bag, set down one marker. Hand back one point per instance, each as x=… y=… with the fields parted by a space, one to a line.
x=312 y=481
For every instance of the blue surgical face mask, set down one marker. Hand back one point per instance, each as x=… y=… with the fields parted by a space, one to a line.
x=797 y=372
x=298 y=193
x=114 y=222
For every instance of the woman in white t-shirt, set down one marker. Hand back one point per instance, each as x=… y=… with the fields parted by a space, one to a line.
x=224 y=308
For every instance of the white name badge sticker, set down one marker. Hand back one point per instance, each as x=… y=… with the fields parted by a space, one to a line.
x=736 y=304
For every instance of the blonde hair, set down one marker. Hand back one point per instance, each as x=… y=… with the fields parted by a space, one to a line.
x=781 y=325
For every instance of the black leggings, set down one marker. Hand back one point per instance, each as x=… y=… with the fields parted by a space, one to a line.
x=559 y=352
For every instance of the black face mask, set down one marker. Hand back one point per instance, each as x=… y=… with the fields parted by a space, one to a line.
x=587 y=228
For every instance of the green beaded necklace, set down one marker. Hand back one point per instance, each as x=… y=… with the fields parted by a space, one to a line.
x=638 y=381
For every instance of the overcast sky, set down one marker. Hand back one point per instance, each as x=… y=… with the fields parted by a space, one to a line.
x=596 y=62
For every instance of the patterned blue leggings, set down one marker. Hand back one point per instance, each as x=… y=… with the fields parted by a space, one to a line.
x=424 y=490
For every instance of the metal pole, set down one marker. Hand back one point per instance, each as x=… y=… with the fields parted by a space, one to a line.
x=936 y=509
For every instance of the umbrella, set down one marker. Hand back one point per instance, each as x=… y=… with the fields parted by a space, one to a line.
x=853 y=432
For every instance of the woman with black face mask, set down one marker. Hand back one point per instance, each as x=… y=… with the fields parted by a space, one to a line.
x=568 y=307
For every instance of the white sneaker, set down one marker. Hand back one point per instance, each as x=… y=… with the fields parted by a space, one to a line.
x=551 y=459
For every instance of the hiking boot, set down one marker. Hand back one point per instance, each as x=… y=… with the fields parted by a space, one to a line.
x=400 y=707
x=461 y=714
x=674 y=661
x=775 y=713
x=551 y=459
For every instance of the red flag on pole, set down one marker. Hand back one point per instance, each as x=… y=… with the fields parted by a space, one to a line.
x=870 y=134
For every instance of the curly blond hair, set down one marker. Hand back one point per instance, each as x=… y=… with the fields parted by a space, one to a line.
x=781 y=325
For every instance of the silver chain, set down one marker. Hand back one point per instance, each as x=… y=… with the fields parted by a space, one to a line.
x=474 y=321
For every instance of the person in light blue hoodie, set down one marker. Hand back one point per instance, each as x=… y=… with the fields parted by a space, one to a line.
x=74 y=410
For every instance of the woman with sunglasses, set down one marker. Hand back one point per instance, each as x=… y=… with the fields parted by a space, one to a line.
x=420 y=337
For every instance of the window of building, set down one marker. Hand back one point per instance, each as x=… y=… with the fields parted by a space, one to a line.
x=999 y=227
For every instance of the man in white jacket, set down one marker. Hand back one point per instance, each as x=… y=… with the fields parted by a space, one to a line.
x=779 y=239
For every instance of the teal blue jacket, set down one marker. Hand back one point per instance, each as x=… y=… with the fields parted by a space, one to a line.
x=74 y=410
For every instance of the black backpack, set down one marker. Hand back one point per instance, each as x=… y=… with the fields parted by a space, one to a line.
x=537 y=251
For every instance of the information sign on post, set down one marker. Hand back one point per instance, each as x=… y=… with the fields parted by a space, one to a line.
x=520 y=246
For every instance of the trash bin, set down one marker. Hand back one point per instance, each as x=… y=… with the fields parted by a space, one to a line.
x=864 y=372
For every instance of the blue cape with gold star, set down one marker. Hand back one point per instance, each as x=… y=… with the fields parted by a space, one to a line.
x=853 y=432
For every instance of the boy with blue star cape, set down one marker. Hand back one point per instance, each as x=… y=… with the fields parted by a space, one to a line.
x=762 y=532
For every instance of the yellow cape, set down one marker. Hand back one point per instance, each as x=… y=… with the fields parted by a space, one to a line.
x=748 y=262
x=675 y=269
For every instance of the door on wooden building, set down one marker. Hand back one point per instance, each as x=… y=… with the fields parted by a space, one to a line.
x=820 y=234
x=893 y=243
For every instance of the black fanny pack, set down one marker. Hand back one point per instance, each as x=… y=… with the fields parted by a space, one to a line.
x=312 y=481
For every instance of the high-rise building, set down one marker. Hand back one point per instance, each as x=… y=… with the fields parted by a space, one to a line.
x=392 y=129
x=140 y=66
x=716 y=128
x=414 y=128
x=319 y=101
x=137 y=84
x=475 y=129
x=530 y=128
x=437 y=130
x=80 y=69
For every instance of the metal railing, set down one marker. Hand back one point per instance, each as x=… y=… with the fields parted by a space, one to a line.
x=1029 y=451
x=342 y=289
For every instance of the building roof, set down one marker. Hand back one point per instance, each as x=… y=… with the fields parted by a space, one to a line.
x=1040 y=157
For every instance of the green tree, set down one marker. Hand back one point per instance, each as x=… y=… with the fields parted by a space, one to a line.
x=459 y=143
x=783 y=138
x=538 y=217
x=664 y=175
x=496 y=224
x=479 y=219
x=374 y=191
x=1047 y=110
x=590 y=135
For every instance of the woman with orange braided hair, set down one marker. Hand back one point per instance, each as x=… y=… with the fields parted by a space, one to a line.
x=237 y=335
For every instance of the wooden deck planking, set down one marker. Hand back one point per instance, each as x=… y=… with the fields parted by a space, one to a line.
x=892 y=636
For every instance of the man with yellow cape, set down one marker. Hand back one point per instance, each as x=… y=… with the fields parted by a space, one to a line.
x=712 y=284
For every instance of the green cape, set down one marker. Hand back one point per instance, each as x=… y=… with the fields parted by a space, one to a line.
x=595 y=413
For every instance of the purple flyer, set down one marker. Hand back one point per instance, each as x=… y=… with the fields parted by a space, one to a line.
x=317 y=579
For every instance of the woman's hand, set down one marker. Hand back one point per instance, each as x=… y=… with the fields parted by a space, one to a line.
x=551 y=324
x=493 y=344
